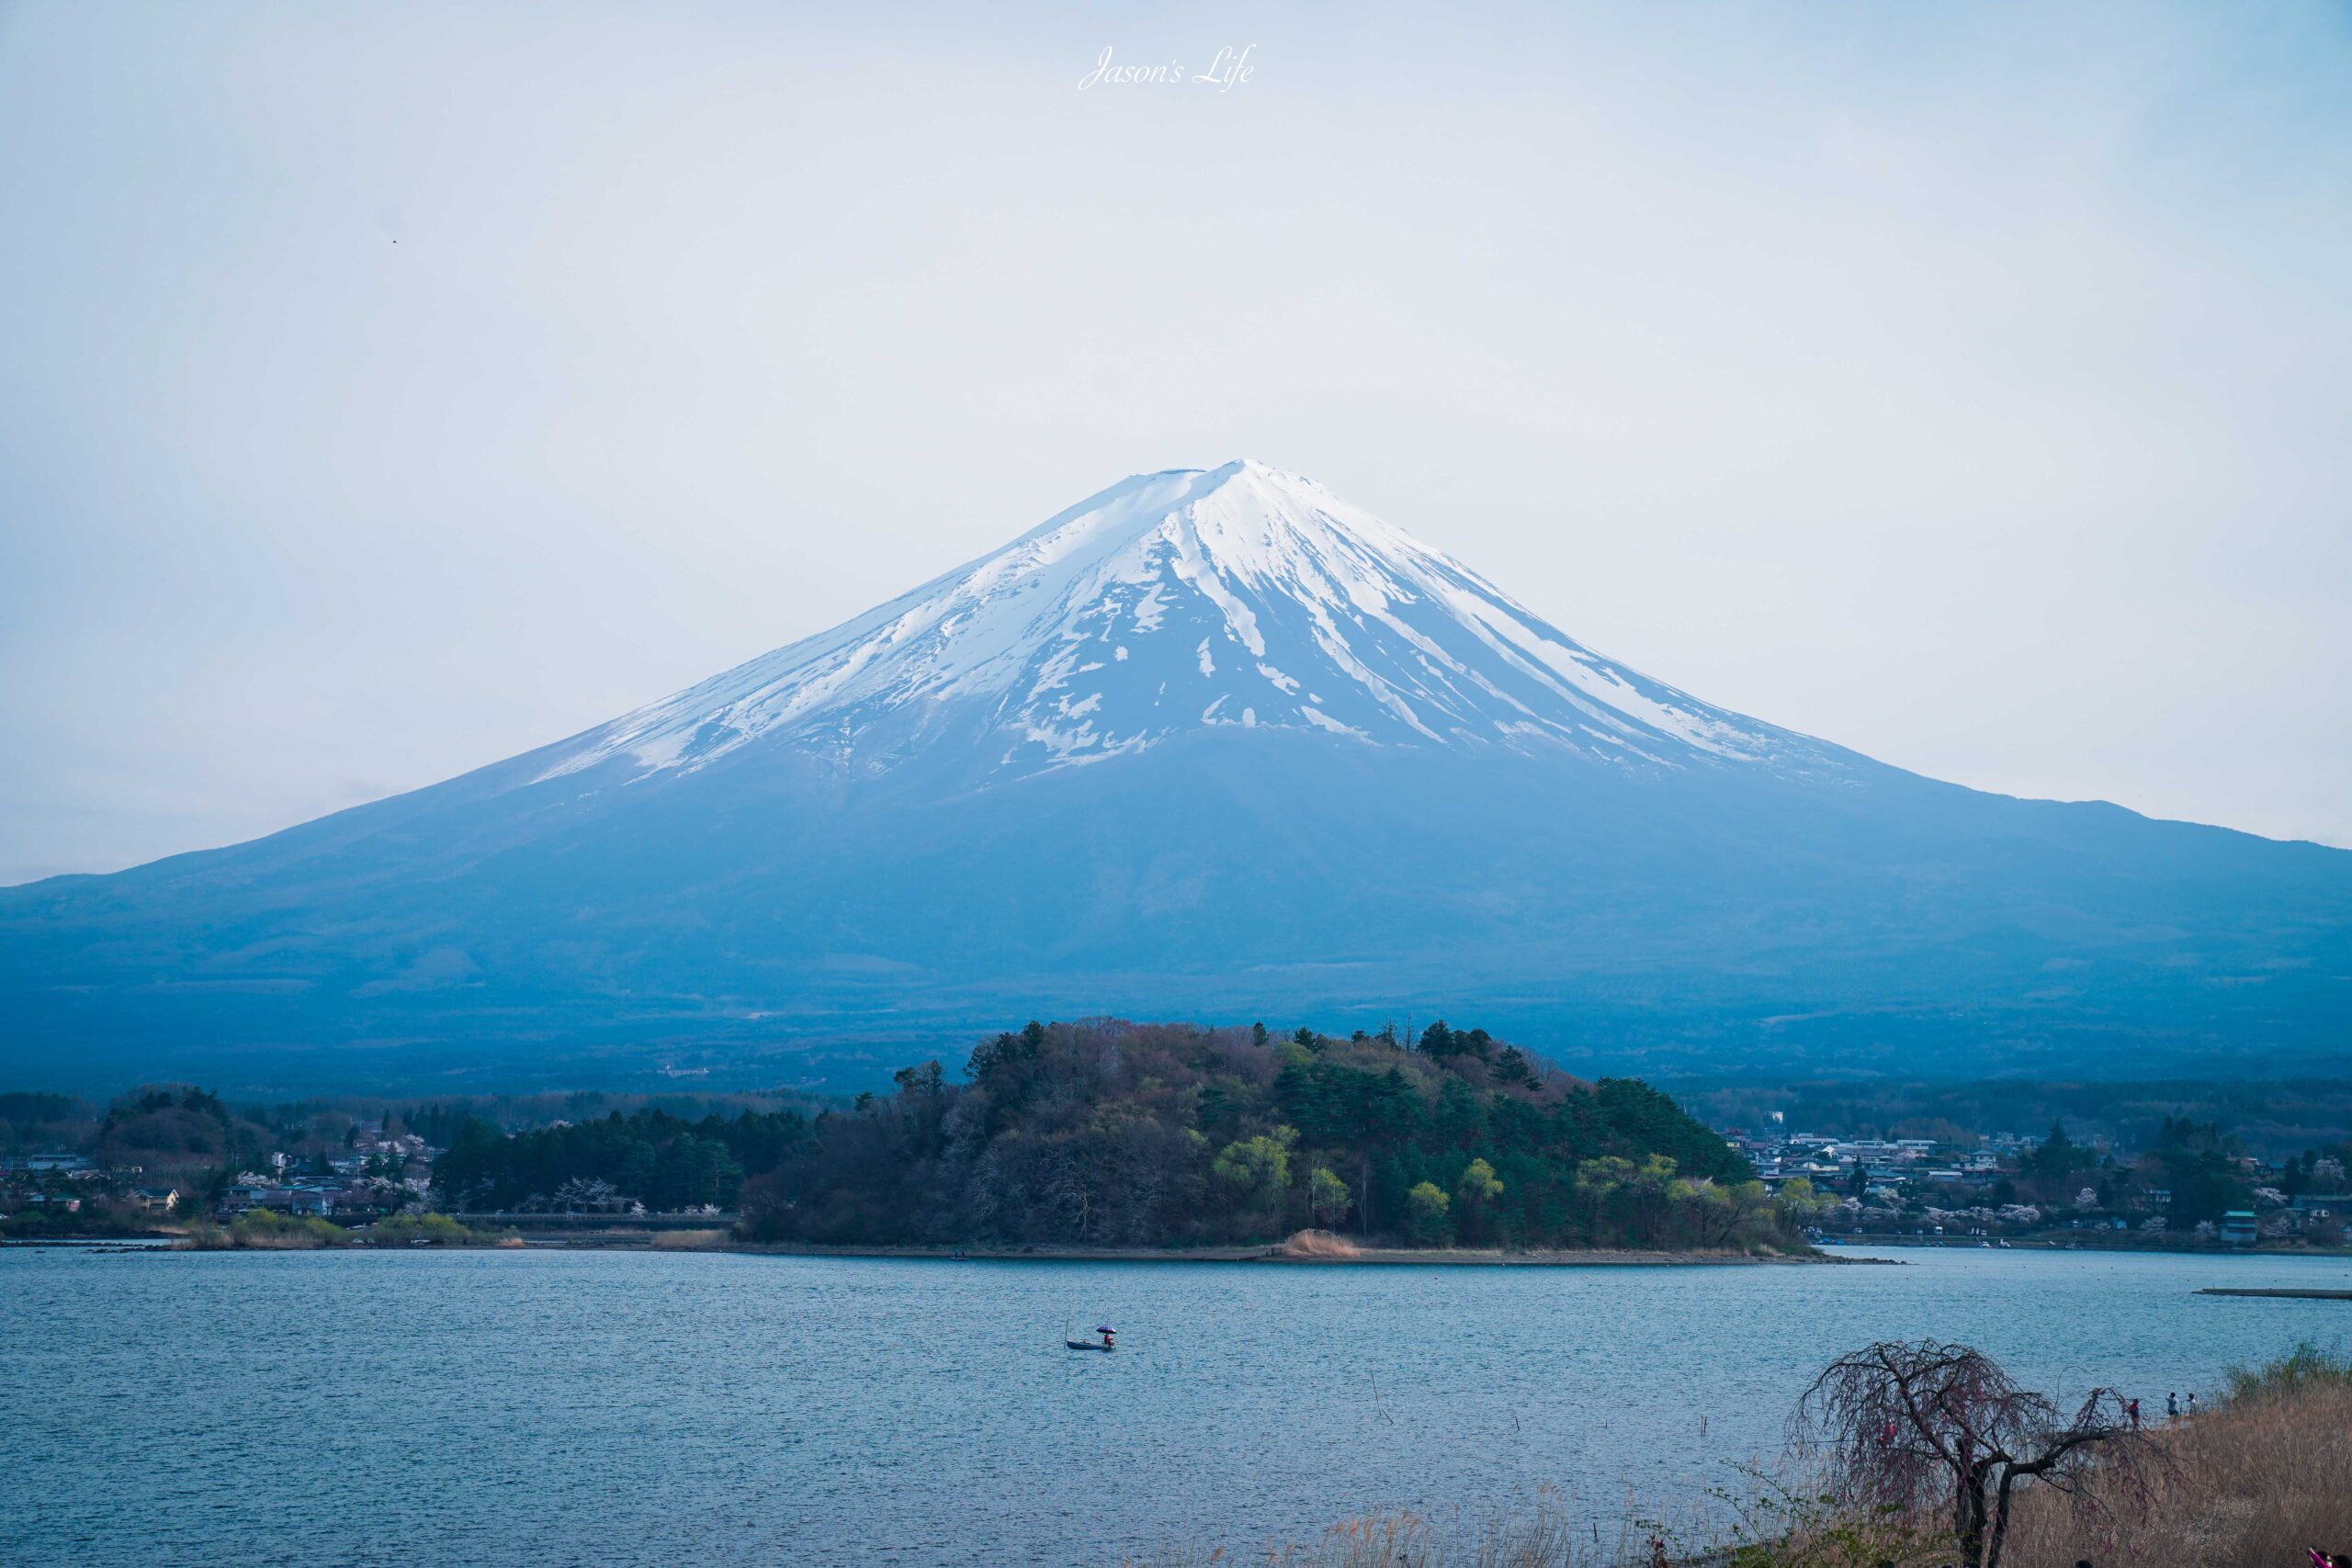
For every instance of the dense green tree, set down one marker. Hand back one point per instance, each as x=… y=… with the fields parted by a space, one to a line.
x=2203 y=1170
x=2057 y=1156
x=1427 y=1206
x=651 y=1158
x=1723 y=1213
x=1327 y=1198
x=1254 y=1176
x=1475 y=1192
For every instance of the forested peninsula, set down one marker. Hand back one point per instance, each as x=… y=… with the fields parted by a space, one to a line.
x=1112 y=1133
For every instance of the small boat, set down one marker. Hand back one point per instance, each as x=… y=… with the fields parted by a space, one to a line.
x=1086 y=1345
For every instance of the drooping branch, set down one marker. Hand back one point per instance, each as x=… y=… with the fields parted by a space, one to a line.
x=2100 y=1437
x=1898 y=1421
x=1924 y=1425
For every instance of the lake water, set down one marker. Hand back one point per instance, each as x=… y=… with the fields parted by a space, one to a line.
x=622 y=1407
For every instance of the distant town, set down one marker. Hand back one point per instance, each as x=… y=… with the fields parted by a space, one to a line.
x=163 y=1158
x=380 y=1170
x=2190 y=1185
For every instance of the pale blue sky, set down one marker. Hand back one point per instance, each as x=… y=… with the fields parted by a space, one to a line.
x=386 y=390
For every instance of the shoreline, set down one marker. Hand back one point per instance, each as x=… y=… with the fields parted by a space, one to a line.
x=2053 y=1244
x=1258 y=1253
x=1597 y=1258
x=641 y=1237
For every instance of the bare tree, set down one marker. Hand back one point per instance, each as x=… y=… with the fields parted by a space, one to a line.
x=1927 y=1426
x=592 y=1194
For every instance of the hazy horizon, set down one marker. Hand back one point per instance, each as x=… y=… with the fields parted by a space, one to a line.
x=392 y=392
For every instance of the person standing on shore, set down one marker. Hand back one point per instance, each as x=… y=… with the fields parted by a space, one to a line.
x=2172 y=1407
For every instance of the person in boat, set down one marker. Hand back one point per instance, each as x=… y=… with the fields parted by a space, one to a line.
x=1105 y=1330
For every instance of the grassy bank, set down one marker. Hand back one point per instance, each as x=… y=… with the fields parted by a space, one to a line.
x=262 y=1231
x=2251 y=1483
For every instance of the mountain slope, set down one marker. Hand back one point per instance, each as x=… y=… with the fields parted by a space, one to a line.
x=1176 y=602
x=1210 y=744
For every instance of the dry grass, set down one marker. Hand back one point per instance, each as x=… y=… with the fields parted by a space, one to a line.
x=687 y=1241
x=2250 y=1484
x=279 y=1241
x=1319 y=1243
x=1544 y=1535
x=1777 y=1530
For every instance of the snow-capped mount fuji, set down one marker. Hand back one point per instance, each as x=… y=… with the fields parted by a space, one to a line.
x=1176 y=602
x=1213 y=743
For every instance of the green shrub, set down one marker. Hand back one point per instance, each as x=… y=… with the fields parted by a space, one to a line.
x=263 y=1230
x=266 y=1228
x=2306 y=1368
x=430 y=1230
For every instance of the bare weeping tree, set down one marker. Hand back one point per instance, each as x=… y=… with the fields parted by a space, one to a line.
x=1929 y=1426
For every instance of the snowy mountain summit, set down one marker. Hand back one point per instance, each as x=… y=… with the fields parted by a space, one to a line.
x=1212 y=744
x=1175 y=602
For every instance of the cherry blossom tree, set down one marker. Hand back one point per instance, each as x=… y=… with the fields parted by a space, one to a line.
x=1929 y=1426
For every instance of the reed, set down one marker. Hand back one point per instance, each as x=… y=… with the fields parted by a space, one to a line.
x=1319 y=1243
x=689 y=1241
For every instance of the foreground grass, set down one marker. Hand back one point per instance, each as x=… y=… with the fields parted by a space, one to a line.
x=2250 y=1483
x=1544 y=1535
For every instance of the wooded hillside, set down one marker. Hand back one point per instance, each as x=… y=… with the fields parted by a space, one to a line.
x=1117 y=1133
